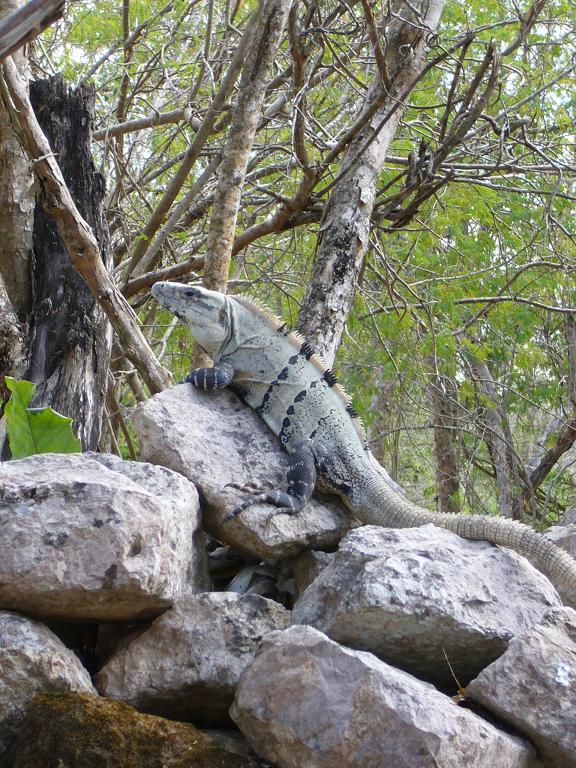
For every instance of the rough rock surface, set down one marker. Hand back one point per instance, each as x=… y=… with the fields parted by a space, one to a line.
x=412 y=595
x=565 y=536
x=74 y=731
x=214 y=439
x=187 y=665
x=307 y=701
x=91 y=537
x=533 y=687
x=307 y=566
x=31 y=659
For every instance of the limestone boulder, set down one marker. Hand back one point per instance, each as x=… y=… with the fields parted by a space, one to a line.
x=422 y=597
x=75 y=731
x=90 y=537
x=187 y=665
x=32 y=659
x=565 y=536
x=307 y=566
x=307 y=701
x=214 y=439
x=533 y=687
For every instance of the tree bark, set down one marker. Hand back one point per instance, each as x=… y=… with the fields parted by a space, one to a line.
x=79 y=238
x=16 y=199
x=443 y=393
x=16 y=207
x=70 y=334
x=27 y=22
x=564 y=429
x=259 y=60
x=344 y=232
x=515 y=492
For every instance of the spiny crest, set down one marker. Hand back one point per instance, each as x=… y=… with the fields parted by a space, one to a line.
x=303 y=345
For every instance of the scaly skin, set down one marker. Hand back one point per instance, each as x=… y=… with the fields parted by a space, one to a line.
x=278 y=375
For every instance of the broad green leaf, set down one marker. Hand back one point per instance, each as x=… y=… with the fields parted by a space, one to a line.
x=36 y=430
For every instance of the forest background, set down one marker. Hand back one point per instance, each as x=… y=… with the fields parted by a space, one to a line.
x=395 y=179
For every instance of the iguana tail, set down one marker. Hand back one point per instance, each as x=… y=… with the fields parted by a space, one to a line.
x=381 y=505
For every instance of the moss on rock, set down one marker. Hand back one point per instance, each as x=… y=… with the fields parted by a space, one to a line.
x=81 y=731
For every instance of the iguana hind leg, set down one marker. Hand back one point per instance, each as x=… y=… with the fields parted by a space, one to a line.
x=301 y=477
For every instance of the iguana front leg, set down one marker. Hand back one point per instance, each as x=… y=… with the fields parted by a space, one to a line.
x=217 y=377
x=301 y=479
x=301 y=476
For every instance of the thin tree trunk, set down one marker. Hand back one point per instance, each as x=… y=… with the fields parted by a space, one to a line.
x=443 y=393
x=344 y=232
x=515 y=491
x=16 y=198
x=70 y=334
x=144 y=243
x=259 y=60
x=563 y=429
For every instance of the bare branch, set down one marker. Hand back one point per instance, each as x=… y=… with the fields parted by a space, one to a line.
x=193 y=152
x=26 y=23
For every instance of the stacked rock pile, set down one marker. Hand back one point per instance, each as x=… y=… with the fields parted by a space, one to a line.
x=132 y=615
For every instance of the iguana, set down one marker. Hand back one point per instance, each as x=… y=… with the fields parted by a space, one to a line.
x=278 y=374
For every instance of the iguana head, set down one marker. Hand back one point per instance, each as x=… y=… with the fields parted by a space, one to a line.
x=206 y=313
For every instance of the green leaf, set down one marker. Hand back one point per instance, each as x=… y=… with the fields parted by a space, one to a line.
x=36 y=430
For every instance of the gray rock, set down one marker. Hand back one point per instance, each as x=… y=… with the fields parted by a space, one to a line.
x=187 y=665
x=307 y=701
x=533 y=687
x=91 y=537
x=413 y=595
x=214 y=439
x=308 y=566
x=32 y=659
x=564 y=536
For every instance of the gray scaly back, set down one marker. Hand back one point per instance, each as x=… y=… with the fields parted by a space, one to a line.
x=278 y=374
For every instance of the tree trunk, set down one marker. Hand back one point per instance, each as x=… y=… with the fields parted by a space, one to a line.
x=563 y=430
x=515 y=492
x=259 y=60
x=344 y=232
x=16 y=211
x=70 y=337
x=16 y=200
x=442 y=391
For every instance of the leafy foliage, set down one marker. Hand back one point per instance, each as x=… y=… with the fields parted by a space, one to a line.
x=36 y=430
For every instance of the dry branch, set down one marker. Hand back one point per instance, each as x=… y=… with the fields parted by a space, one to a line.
x=26 y=23
x=139 y=123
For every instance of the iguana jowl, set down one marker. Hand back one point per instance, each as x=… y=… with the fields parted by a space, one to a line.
x=277 y=373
